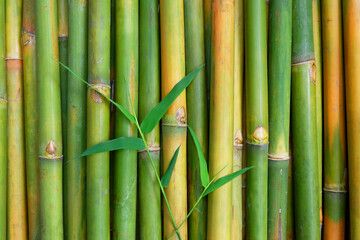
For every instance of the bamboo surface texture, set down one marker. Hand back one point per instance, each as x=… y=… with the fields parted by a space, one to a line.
x=75 y=170
x=196 y=97
x=63 y=32
x=126 y=94
x=31 y=119
x=237 y=213
x=221 y=117
x=3 y=122
x=50 y=135
x=256 y=119
x=149 y=197
x=207 y=9
x=16 y=176
x=174 y=121
x=319 y=98
x=98 y=121
x=351 y=9
x=303 y=124
x=280 y=19
x=334 y=123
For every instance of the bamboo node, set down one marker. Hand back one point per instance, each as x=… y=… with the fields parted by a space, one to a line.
x=51 y=148
x=238 y=140
x=312 y=72
x=97 y=97
x=3 y=100
x=260 y=135
x=181 y=115
x=27 y=38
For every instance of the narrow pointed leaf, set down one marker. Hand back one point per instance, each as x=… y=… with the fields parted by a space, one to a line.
x=167 y=176
x=204 y=174
x=115 y=144
x=154 y=116
x=222 y=181
x=127 y=114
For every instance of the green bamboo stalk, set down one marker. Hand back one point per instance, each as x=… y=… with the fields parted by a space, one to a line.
x=351 y=25
x=49 y=106
x=221 y=117
x=63 y=31
x=3 y=123
x=256 y=119
x=112 y=108
x=196 y=95
x=303 y=122
x=280 y=17
x=149 y=95
x=174 y=121
x=334 y=123
x=31 y=118
x=126 y=93
x=316 y=8
x=75 y=171
x=237 y=198
x=98 y=121
x=16 y=177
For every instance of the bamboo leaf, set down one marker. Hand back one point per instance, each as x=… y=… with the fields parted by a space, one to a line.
x=154 y=116
x=204 y=174
x=166 y=178
x=127 y=114
x=115 y=144
x=222 y=181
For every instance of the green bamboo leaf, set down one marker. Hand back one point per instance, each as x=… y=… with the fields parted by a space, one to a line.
x=204 y=174
x=166 y=178
x=115 y=144
x=127 y=114
x=222 y=181
x=154 y=116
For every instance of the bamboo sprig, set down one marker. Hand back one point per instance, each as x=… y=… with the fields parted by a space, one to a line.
x=153 y=117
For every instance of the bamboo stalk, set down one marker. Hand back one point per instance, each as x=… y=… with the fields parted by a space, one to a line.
x=3 y=123
x=319 y=116
x=351 y=9
x=221 y=117
x=31 y=118
x=196 y=95
x=75 y=171
x=126 y=93
x=98 y=120
x=149 y=95
x=174 y=121
x=256 y=119
x=334 y=123
x=237 y=214
x=280 y=17
x=63 y=31
x=16 y=182
x=49 y=106
x=303 y=122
